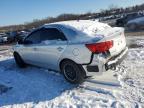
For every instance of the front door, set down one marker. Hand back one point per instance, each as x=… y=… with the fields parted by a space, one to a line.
x=28 y=51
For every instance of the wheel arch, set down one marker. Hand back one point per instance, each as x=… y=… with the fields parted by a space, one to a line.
x=66 y=59
x=16 y=53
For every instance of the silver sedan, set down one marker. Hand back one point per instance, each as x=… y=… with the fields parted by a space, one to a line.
x=75 y=48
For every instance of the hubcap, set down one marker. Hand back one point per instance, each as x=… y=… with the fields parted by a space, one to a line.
x=70 y=72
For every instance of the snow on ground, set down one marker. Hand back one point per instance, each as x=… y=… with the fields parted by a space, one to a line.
x=37 y=87
x=135 y=41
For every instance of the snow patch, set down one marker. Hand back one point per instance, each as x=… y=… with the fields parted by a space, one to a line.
x=37 y=87
x=87 y=26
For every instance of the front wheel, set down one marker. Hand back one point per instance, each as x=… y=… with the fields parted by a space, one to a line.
x=73 y=72
x=19 y=60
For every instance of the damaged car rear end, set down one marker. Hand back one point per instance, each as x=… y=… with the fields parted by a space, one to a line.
x=75 y=48
x=108 y=52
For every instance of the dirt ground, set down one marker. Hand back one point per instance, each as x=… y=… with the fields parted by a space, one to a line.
x=134 y=33
x=5 y=47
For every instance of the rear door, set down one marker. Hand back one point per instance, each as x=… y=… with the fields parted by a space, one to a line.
x=53 y=44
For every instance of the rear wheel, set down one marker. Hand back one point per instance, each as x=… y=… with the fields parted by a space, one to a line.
x=73 y=72
x=19 y=60
x=133 y=27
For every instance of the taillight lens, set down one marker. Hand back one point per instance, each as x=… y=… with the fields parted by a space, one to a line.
x=100 y=47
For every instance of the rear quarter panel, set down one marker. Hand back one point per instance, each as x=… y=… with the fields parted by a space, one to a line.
x=77 y=53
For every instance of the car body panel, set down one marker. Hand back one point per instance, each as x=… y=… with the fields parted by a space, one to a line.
x=127 y=17
x=139 y=22
x=49 y=54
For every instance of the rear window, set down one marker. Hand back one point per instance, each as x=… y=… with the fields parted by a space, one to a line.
x=69 y=31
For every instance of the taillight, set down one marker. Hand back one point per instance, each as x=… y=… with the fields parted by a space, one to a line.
x=100 y=47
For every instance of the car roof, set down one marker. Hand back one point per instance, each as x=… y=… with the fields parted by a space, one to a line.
x=79 y=29
x=88 y=27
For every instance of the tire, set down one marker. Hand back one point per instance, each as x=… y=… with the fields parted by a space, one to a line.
x=133 y=27
x=19 y=60
x=73 y=72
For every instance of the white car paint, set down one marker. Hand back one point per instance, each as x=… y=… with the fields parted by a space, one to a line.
x=3 y=37
x=50 y=53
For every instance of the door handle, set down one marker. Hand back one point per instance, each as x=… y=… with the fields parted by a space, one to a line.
x=59 y=48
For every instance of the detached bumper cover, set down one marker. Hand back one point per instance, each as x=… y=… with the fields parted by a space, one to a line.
x=116 y=59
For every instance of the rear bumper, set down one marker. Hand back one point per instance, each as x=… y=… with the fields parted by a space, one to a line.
x=100 y=65
x=114 y=61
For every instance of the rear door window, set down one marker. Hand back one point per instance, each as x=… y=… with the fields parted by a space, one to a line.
x=52 y=34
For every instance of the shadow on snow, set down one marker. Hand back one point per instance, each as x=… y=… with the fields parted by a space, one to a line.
x=30 y=84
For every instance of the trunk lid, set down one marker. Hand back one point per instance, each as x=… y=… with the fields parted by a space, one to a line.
x=115 y=34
